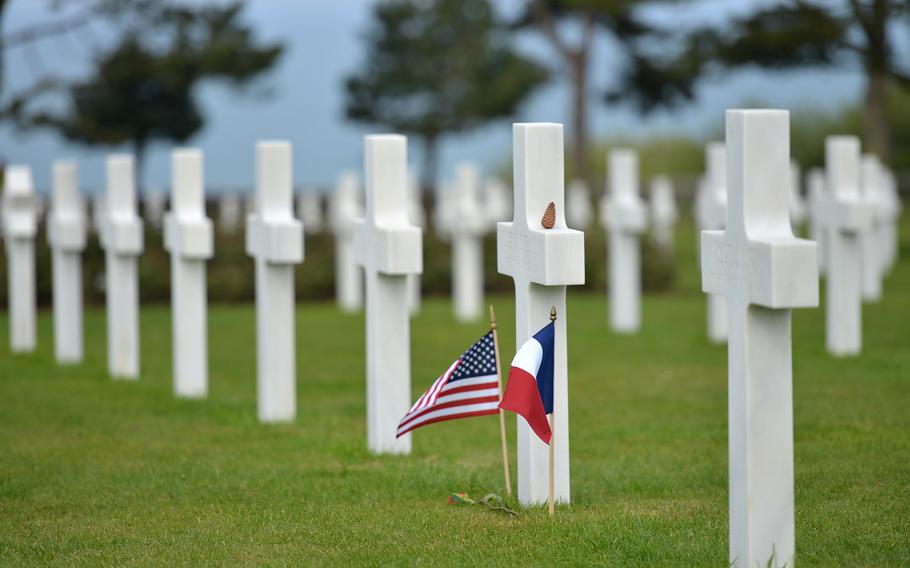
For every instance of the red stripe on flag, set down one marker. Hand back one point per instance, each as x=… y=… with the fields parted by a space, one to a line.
x=451 y=417
x=523 y=398
x=462 y=402
x=469 y=388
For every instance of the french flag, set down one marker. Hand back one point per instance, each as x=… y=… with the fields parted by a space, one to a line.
x=529 y=392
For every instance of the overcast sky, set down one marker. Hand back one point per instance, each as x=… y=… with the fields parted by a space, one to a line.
x=323 y=39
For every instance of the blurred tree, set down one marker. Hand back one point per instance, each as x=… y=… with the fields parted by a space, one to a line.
x=438 y=67
x=801 y=33
x=648 y=79
x=144 y=88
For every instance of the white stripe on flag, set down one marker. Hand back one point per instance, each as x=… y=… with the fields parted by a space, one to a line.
x=493 y=391
x=424 y=399
x=468 y=382
x=452 y=410
x=529 y=357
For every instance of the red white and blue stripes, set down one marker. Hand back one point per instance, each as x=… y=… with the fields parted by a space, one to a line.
x=469 y=387
x=529 y=392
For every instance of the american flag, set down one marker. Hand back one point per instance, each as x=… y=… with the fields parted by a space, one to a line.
x=469 y=387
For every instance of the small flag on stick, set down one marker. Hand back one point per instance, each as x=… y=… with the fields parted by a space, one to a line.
x=529 y=392
x=469 y=387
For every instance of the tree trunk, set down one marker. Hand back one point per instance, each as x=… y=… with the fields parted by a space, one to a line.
x=874 y=24
x=2 y=50
x=579 y=112
x=139 y=146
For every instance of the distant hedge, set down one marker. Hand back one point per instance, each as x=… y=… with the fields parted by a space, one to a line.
x=230 y=272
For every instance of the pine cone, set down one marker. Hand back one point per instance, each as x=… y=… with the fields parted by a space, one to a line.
x=549 y=216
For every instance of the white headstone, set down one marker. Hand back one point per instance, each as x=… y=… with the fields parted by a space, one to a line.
x=663 y=212
x=815 y=182
x=764 y=272
x=275 y=239
x=19 y=228
x=873 y=261
x=418 y=217
x=715 y=218
x=467 y=228
x=66 y=234
x=188 y=238
x=229 y=213
x=578 y=205
x=345 y=208
x=625 y=219
x=123 y=241
x=154 y=203
x=498 y=200
x=309 y=204
x=542 y=262
x=845 y=216
x=797 y=203
x=389 y=248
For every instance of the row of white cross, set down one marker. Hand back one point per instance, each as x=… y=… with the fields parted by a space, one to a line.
x=753 y=261
x=852 y=210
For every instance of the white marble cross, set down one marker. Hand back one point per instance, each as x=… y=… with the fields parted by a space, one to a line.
x=815 y=183
x=625 y=218
x=122 y=239
x=468 y=224
x=578 y=205
x=714 y=217
x=344 y=209
x=389 y=247
x=845 y=217
x=20 y=225
x=663 y=212
x=872 y=257
x=797 y=203
x=309 y=206
x=188 y=238
x=66 y=235
x=229 y=213
x=541 y=262
x=274 y=238
x=764 y=272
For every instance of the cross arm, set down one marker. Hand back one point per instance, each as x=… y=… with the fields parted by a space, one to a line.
x=777 y=273
x=123 y=235
x=189 y=238
x=275 y=241
x=625 y=215
x=67 y=233
x=849 y=215
x=394 y=250
x=554 y=257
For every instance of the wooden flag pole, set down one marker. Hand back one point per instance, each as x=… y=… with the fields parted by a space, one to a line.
x=552 y=438
x=502 y=419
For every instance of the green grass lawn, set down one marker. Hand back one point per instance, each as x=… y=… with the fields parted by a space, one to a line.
x=100 y=471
